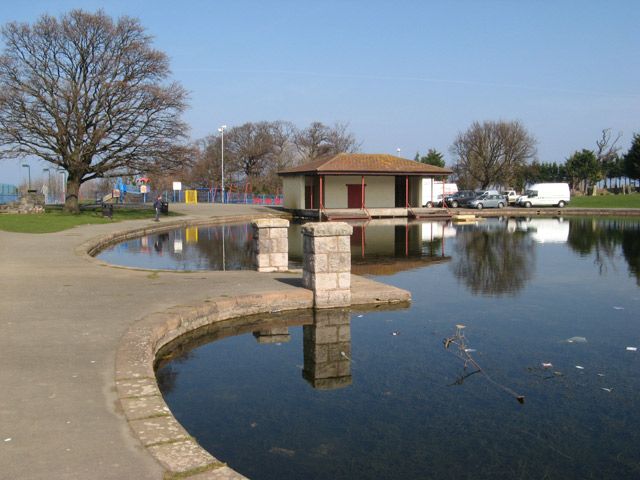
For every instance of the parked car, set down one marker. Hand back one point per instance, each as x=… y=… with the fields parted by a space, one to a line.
x=488 y=201
x=511 y=195
x=545 y=194
x=458 y=198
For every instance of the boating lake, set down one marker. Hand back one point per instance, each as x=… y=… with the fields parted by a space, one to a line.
x=550 y=313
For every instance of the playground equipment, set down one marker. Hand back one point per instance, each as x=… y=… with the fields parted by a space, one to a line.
x=122 y=192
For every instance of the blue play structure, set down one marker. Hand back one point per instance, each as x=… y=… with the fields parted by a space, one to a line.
x=131 y=192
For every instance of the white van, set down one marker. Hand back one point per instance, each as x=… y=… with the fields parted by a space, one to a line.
x=545 y=194
x=432 y=191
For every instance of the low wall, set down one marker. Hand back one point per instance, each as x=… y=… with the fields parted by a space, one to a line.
x=142 y=403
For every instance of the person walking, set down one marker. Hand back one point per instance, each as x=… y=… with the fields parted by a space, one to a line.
x=157 y=205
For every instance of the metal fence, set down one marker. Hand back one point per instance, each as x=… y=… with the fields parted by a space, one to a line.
x=8 y=193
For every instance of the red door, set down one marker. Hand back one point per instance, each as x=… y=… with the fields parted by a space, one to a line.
x=354 y=196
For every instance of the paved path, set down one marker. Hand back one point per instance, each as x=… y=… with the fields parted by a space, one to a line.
x=61 y=319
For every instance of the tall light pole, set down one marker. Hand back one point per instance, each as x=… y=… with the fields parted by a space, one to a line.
x=221 y=130
x=48 y=170
x=64 y=186
x=28 y=167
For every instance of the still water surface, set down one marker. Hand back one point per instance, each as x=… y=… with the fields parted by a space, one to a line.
x=550 y=309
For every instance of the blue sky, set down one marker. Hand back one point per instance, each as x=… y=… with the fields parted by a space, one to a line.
x=403 y=74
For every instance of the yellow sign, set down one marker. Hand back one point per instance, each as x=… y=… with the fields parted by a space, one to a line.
x=190 y=196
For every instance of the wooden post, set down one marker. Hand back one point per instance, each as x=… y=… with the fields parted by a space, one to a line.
x=406 y=191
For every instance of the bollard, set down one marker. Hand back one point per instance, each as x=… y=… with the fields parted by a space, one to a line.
x=327 y=263
x=271 y=245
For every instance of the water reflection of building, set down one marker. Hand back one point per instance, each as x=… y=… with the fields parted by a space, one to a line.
x=327 y=349
x=388 y=246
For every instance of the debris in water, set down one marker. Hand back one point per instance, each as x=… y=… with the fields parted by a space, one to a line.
x=632 y=349
x=601 y=374
x=346 y=356
x=285 y=452
x=7 y=439
x=360 y=316
x=607 y=389
x=464 y=353
x=577 y=340
x=253 y=424
x=547 y=365
x=579 y=367
x=618 y=308
x=395 y=334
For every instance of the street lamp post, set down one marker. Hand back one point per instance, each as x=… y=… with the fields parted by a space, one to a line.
x=28 y=167
x=64 y=186
x=48 y=170
x=221 y=130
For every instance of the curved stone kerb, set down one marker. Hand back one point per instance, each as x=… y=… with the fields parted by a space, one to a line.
x=95 y=245
x=148 y=416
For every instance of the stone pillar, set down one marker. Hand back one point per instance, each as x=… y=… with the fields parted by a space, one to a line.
x=271 y=244
x=272 y=335
x=327 y=349
x=326 y=261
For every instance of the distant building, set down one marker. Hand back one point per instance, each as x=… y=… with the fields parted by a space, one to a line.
x=378 y=185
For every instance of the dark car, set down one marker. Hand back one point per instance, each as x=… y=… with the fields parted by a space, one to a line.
x=459 y=198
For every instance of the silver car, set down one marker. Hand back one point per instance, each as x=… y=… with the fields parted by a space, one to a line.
x=488 y=201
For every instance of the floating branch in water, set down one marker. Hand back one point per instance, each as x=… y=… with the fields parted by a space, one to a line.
x=464 y=353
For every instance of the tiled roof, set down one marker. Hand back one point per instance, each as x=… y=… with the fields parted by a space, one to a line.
x=365 y=163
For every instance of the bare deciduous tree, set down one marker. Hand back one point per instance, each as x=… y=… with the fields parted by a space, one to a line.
x=88 y=95
x=318 y=140
x=606 y=150
x=491 y=153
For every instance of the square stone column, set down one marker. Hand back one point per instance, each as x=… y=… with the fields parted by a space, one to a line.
x=271 y=244
x=327 y=349
x=326 y=267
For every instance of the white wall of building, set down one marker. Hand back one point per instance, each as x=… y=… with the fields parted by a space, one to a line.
x=379 y=191
x=293 y=191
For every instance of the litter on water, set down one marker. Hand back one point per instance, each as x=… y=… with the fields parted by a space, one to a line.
x=360 y=316
x=547 y=365
x=607 y=389
x=395 y=334
x=632 y=349
x=601 y=374
x=464 y=353
x=618 y=308
x=346 y=356
x=577 y=340
x=579 y=367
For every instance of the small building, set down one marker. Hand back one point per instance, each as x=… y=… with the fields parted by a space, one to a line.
x=358 y=185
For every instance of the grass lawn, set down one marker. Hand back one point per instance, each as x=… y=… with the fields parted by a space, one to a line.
x=607 y=201
x=54 y=220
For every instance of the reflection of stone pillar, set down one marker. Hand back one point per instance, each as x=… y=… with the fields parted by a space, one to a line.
x=327 y=349
x=326 y=265
x=272 y=335
x=270 y=245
